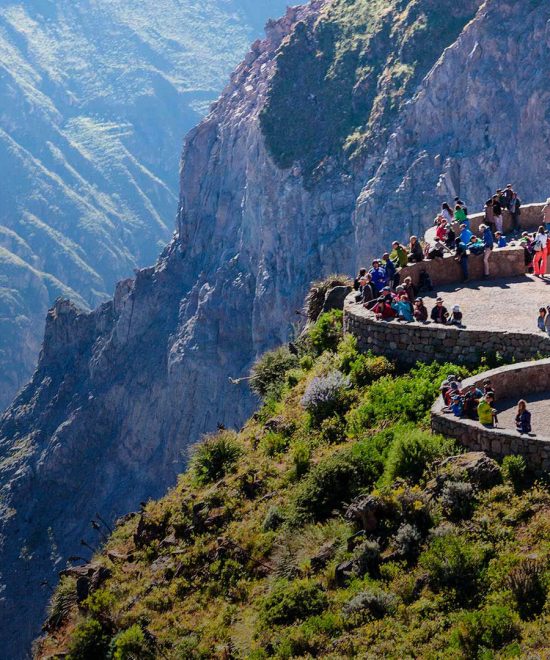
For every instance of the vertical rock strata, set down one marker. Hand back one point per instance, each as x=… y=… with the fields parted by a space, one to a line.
x=119 y=394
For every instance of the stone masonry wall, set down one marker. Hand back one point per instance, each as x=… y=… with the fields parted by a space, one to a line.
x=513 y=381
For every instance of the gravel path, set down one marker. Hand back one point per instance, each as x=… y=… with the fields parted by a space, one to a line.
x=537 y=404
x=500 y=304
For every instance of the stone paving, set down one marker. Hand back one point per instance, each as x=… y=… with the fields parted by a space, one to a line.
x=498 y=304
x=537 y=404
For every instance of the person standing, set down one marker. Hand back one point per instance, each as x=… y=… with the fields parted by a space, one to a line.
x=523 y=417
x=497 y=214
x=378 y=275
x=515 y=211
x=447 y=212
x=489 y=214
x=540 y=248
x=488 y=243
x=508 y=194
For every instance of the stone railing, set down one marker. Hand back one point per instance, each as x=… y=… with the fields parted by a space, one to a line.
x=408 y=343
x=512 y=382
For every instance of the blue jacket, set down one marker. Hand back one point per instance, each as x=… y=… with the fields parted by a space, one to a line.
x=488 y=238
x=378 y=277
x=390 y=271
x=465 y=235
x=404 y=309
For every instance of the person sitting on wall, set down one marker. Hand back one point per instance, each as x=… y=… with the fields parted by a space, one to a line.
x=451 y=236
x=439 y=313
x=523 y=418
x=367 y=291
x=441 y=230
x=383 y=310
x=447 y=213
x=541 y=318
x=415 y=251
x=500 y=239
x=410 y=289
x=403 y=308
x=378 y=275
x=420 y=312
x=476 y=245
x=357 y=280
x=465 y=234
x=456 y=317
x=460 y=215
x=392 y=278
x=437 y=250
x=485 y=411
x=399 y=255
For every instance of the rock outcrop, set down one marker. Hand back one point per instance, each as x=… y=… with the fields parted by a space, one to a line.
x=119 y=394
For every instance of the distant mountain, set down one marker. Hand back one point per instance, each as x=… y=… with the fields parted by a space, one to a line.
x=95 y=99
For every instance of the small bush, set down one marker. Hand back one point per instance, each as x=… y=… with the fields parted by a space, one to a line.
x=100 y=603
x=370 y=604
x=274 y=518
x=131 y=644
x=301 y=458
x=215 y=457
x=366 y=558
x=454 y=564
x=293 y=601
x=407 y=540
x=528 y=585
x=88 y=641
x=488 y=629
x=63 y=600
x=306 y=362
x=336 y=480
x=513 y=471
x=327 y=331
x=457 y=499
x=273 y=443
x=333 y=430
x=411 y=451
x=269 y=372
x=362 y=369
x=326 y=396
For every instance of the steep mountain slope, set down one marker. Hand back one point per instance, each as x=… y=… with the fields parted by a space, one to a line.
x=96 y=99
x=258 y=553
x=120 y=393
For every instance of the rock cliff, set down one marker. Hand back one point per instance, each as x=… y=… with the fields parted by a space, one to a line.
x=120 y=393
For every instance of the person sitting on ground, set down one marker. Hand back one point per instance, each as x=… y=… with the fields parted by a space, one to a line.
x=471 y=399
x=485 y=411
x=465 y=234
x=447 y=213
x=357 y=280
x=384 y=310
x=392 y=278
x=439 y=312
x=399 y=255
x=488 y=243
x=500 y=239
x=541 y=325
x=415 y=251
x=456 y=317
x=539 y=246
x=461 y=255
x=403 y=308
x=420 y=312
x=523 y=418
x=378 y=275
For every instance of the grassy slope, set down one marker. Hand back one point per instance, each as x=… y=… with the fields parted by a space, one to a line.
x=340 y=82
x=226 y=570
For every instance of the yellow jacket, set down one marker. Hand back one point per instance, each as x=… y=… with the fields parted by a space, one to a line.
x=484 y=412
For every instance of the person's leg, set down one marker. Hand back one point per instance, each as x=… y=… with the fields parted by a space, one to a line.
x=537 y=262
x=543 y=260
x=486 y=255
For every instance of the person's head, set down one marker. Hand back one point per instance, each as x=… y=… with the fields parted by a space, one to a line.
x=542 y=311
x=404 y=297
x=462 y=226
x=385 y=256
x=499 y=190
x=367 y=277
x=482 y=227
x=439 y=302
x=495 y=197
x=542 y=230
x=498 y=234
x=524 y=234
x=413 y=240
x=509 y=186
x=362 y=272
x=445 y=207
x=522 y=406
x=376 y=264
x=548 y=309
x=395 y=245
x=399 y=289
x=456 y=309
x=418 y=302
x=407 y=280
x=457 y=200
x=457 y=207
x=489 y=397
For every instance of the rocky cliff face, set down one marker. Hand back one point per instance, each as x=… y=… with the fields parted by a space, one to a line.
x=120 y=393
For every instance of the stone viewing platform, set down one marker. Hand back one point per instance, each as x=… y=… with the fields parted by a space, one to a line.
x=529 y=381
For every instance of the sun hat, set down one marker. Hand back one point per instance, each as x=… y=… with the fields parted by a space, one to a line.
x=438 y=300
x=456 y=308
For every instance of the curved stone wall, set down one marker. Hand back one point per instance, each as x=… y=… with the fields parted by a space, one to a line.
x=513 y=381
x=409 y=343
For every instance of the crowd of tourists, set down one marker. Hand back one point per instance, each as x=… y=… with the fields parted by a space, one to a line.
x=382 y=289
x=478 y=404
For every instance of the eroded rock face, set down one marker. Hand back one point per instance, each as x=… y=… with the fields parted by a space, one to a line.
x=119 y=394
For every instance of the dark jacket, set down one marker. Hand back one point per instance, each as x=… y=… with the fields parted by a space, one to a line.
x=488 y=241
x=439 y=314
x=523 y=422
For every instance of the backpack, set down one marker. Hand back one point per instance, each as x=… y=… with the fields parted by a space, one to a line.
x=424 y=282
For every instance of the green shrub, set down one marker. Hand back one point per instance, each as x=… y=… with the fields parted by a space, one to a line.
x=513 y=471
x=455 y=564
x=63 y=600
x=370 y=604
x=404 y=399
x=411 y=451
x=215 y=456
x=100 y=603
x=269 y=372
x=274 y=518
x=362 y=369
x=273 y=443
x=309 y=638
x=292 y=601
x=333 y=430
x=486 y=630
x=326 y=332
x=88 y=641
x=301 y=458
x=336 y=480
x=457 y=499
x=528 y=585
x=131 y=644
x=306 y=362
x=326 y=396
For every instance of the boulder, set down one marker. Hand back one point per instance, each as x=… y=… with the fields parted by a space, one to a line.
x=368 y=510
x=334 y=298
x=475 y=467
x=88 y=578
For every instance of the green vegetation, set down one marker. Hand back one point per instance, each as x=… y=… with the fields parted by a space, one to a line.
x=257 y=554
x=341 y=80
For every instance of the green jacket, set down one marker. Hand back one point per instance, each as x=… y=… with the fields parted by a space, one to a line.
x=484 y=412
x=399 y=256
